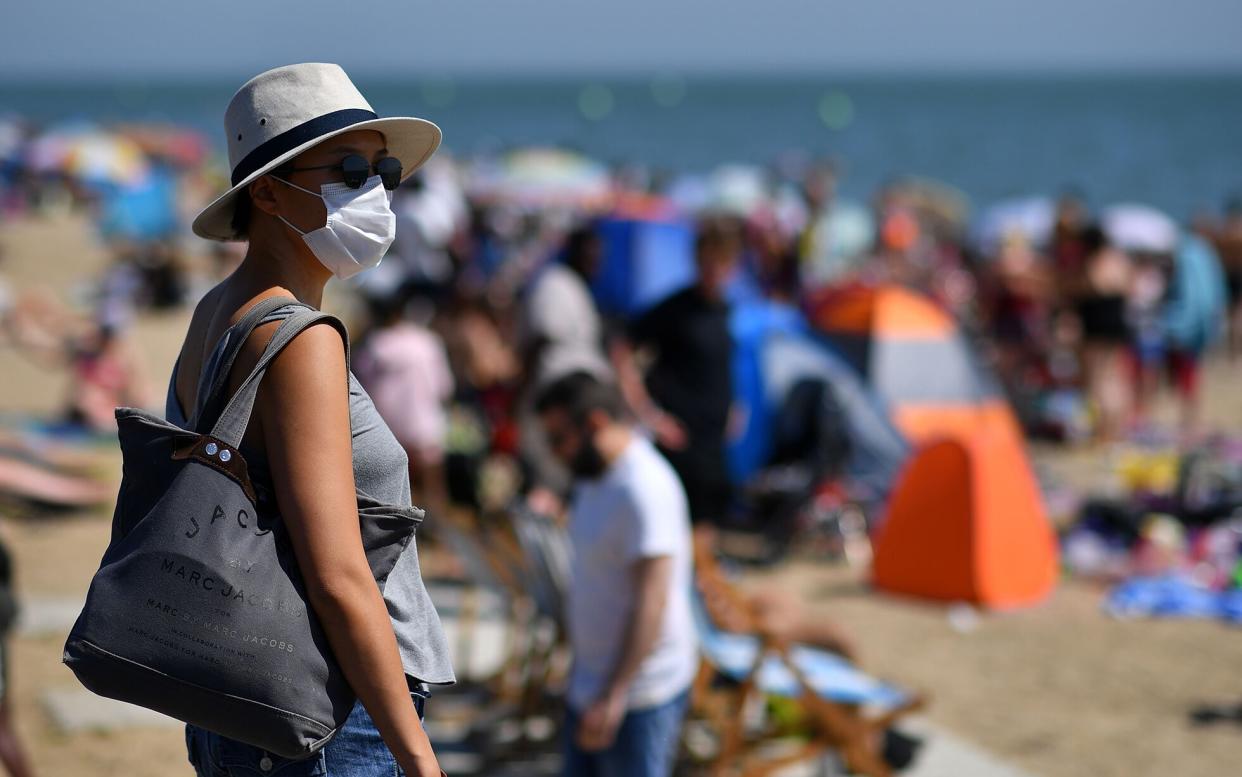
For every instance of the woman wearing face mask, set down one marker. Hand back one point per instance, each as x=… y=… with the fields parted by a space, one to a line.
x=313 y=169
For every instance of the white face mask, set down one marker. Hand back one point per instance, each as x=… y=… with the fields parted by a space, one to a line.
x=360 y=226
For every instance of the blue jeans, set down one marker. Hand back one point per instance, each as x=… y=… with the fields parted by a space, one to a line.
x=356 y=751
x=646 y=743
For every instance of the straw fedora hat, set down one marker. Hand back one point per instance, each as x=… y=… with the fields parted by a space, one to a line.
x=279 y=114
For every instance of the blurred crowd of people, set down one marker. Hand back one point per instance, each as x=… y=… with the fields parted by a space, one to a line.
x=492 y=289
x=1108 y=308
x=518 y=272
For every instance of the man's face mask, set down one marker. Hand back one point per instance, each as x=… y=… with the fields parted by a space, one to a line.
x=585 y=461
x=588 y=462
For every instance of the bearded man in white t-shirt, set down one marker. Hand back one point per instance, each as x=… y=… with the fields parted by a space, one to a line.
x=630 y=626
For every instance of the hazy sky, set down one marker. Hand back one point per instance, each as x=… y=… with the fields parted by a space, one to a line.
x=145 y=38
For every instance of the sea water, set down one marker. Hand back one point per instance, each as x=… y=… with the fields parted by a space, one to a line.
x=1170 y=141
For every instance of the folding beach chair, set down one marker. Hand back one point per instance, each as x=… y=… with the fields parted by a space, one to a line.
x=843 y=709
x=487 y=571
x=545 y=547
x=520 y=556
x=834 y=697
x=546 y=558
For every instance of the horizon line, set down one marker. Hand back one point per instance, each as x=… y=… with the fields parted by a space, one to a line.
x=471 y=74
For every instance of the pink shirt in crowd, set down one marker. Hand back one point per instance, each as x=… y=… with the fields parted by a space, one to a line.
x=406 y=372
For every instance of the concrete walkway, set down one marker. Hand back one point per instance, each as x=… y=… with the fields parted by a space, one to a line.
x=943 y=754
x=47 y=616
x=74 y=709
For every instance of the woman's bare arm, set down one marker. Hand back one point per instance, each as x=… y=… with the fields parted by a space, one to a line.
x=304 y=409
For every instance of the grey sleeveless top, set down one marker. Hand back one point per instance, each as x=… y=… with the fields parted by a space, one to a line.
x=381 y=471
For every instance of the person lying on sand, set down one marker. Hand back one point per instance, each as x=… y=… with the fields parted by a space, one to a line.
x=106 y=369
x=47 y=488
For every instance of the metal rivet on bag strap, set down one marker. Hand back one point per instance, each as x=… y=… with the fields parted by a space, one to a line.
x=265 y=764
x=225 y=455
x=211 y=448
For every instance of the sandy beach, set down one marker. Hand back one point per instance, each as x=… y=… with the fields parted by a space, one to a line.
x=1060 y=689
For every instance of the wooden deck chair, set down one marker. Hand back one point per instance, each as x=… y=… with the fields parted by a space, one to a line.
x=844 y=709
x=486 y=570
x=525 y=690
x=546 y=558
x=545 y=547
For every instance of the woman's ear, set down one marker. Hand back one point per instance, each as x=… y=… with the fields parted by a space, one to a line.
x=263 y=194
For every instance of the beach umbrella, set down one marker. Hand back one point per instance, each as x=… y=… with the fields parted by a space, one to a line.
x=182 y=147
x=46 y=152
x=838 y=242
x=543 y=177
x=688 y=192
x=935 y=201
x=433 y=203
x=1140 y=228
x=87 y=153
x=789 y=210
x=739 y=190
x=12 y=138
x=1030 y=217
x=104 y=158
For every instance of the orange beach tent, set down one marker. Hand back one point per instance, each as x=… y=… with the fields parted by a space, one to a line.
x=914 y=357
x=965 y=521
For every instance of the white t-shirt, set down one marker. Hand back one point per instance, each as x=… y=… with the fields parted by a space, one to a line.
x=636 y=510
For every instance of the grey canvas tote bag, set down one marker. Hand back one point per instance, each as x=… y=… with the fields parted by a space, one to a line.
x=198 y=610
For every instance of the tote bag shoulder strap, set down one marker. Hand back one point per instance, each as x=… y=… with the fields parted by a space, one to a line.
x=231 y=426
x=210 y=401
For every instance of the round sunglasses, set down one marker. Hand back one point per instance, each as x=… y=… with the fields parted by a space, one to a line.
x=355 y=170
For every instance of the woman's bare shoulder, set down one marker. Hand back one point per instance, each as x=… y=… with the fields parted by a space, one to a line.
x=306 y=377
x=315 y=348
x=317 y=352
x=307 y=389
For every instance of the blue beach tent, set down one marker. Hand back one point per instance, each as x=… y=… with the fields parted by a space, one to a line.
x=775 y=351
x=643 y=262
